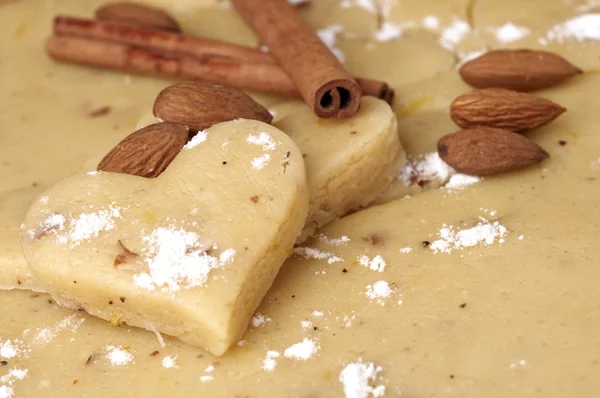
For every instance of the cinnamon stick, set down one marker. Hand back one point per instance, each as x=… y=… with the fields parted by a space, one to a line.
x=156 y=40
x=321 y=79
x=232 y=72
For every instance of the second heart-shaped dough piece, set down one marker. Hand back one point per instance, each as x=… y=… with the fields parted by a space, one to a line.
x=190 y=253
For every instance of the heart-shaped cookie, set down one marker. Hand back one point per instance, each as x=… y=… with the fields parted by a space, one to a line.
x=190 y=253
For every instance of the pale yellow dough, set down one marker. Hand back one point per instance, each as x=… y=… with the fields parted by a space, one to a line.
x=216 y=196
x=344 y=177
x=512 y=319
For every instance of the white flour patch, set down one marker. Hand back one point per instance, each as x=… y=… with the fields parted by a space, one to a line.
x=177 y=260
x=596 y=164
x=270 y=361
x=260 y=162
x=341 y=241
x=75 y=229
x=264 y=140
x=454 y=34
x=12 y=348
x=484 y=233
x=302 y=351
x=359 y=379
x=347 y=319
x=306 y=324
x=510 y=32
x=521 y=363
x=461 y=181
x=328 y=36
x=46 y=335
x=406 y=250
x=208 y=377
x=378 y=292
x=7 y=381
x=368 y=5
x=425 y=168
x=258 y=320
x=376 y=263
x=580 y=28
x=388 y=31
x=169 y=362
x=317 y=314
x=118 y=356
x=198 y=139
x=309 y=252
x=430 y=168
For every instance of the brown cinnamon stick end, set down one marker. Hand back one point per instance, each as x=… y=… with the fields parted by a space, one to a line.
x=337 y=99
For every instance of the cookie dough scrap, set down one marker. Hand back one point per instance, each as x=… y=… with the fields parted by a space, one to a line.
x=193 y=251
x=567 y=28
x=348 y=162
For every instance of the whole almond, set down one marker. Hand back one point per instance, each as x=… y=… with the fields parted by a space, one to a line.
x=506 y=109
x=484 y=151
x=201 y=105
x=138 y=15
x=148 y=151
x=521 y=70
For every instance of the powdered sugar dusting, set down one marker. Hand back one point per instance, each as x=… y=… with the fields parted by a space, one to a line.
x=263 y=139
x=388 y=31
x=118 y=355
x=198 y=139
x=11 y=348
x=169 y=362
x=342 y=240
x=328 y=36
x=309 y=252
x=461 y=181
x=454 y=34
x=510 y=32
x=303 y=350
x=73 y=230
x=259 y=319
x=580 y=28
x=376 y=263
x=359 y=380
x=379 y=291
x=260 y=162
x=176 y=259
x=484 y=233
x=7 y=381
x=271 y=360
x=368 y=5
x=430 y=168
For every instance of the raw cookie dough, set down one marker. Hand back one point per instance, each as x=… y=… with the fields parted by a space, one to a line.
x=349 y=162
x=388 y=60
x=511 y=319
x=423 y=110
x=192 y=251
x=568 y=28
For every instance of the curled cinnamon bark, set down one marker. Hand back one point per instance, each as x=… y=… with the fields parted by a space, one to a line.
x=321 y=79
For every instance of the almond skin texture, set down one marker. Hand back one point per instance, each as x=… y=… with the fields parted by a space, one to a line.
x=148 y=151
x=501 y=108
x=520 y=70
x=483 y=151
x=139 y=15
x=201 y=105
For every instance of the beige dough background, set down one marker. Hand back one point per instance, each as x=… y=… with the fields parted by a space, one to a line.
x=529 y=324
